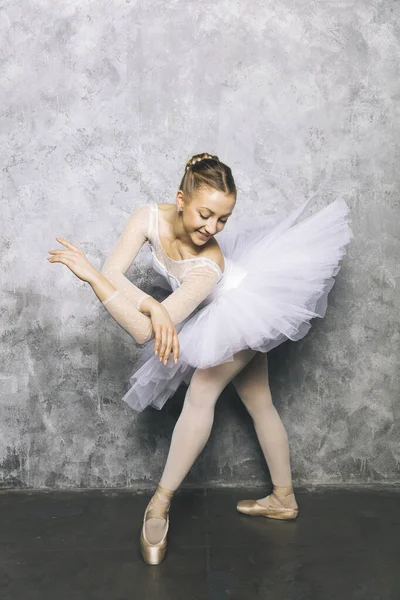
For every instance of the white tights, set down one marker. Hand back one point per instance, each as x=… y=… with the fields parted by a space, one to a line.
x=249 y=372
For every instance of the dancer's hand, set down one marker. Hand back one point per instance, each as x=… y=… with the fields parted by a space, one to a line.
x=166 y=336
x=74 y=259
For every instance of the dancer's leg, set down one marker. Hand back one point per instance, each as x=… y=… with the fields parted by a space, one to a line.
x=252 y=386
x=193 y=428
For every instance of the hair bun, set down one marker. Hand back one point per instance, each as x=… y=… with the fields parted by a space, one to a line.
x=210 y=174
x=198 y=157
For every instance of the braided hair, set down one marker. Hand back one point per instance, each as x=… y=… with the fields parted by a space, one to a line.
x=207 y=171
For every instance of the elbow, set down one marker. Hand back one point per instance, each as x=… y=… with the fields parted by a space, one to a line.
x=142 y=339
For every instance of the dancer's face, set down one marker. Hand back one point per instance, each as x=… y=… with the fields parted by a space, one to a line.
x=206 y=212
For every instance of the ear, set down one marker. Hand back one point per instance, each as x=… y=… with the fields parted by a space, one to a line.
x=180 y=200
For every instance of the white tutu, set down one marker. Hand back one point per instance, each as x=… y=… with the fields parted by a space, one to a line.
x=278 y=279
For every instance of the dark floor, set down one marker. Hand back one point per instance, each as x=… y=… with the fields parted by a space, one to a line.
x=84 y=545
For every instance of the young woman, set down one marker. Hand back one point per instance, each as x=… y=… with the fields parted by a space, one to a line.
x=232 y=301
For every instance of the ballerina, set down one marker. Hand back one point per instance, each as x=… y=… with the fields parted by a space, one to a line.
x=232 y=301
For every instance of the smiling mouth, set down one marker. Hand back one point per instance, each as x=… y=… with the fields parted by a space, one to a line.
x=206 y=237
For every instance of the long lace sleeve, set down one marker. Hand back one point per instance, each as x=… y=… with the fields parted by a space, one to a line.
x=124 y=253
x=124 y=303
x=195 y=287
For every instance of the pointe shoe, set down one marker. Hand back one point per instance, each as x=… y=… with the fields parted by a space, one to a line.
x=153 y=554
x=254 y=508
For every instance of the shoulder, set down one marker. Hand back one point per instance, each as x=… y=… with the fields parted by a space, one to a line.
x=142 y=209
x=138 y=220
x=213 y=252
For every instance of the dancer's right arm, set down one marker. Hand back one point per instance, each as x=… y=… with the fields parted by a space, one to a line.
x=132 y=238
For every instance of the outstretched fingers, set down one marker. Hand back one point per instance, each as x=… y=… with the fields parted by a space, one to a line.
x=68 y=244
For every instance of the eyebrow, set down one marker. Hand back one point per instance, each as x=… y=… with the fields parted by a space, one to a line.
x=213 y=213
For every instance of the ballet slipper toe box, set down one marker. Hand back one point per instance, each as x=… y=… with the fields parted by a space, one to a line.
x=152 y=554
x=253 y=508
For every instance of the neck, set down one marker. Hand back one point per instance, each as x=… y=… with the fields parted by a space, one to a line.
x=180 y=234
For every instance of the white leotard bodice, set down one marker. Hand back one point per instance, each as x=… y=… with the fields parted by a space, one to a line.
x=175 y=270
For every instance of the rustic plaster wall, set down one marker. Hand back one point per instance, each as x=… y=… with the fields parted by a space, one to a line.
x=101 y=105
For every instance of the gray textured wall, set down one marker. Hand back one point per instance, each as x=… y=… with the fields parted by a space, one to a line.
x=101 y=105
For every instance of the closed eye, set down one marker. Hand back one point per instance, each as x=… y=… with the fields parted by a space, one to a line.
x=203 y=217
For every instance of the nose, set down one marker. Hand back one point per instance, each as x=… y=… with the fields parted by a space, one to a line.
x=210 y=230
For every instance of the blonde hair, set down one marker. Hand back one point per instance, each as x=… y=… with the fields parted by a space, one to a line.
x=207 y=171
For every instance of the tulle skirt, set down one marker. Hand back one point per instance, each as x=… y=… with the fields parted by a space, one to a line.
x=289 y=269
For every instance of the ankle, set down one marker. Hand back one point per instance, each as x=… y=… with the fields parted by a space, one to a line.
x=164 y=494
x=283 y=490
x=285 y=496
x=159 y=504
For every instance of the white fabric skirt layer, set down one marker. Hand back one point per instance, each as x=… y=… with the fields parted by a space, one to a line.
x=289 y=270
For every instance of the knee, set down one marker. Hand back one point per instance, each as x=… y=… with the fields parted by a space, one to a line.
x=203 y=391
x=256 y=402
